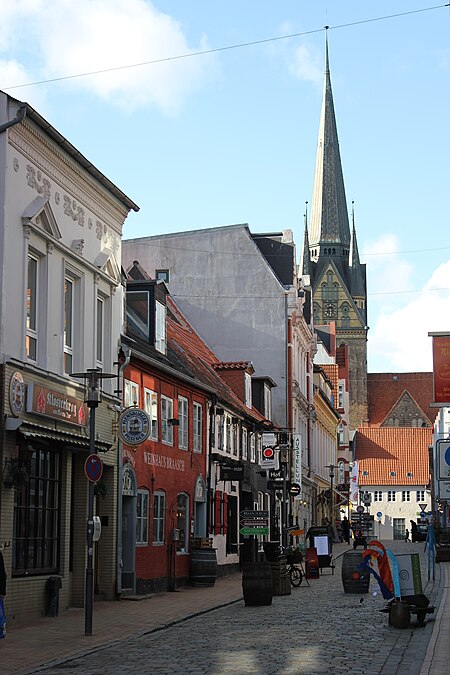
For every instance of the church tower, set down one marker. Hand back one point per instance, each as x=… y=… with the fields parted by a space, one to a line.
x=330 y=256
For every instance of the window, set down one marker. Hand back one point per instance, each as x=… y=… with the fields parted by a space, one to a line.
x=142 y=517
x=100 y=319
x=248 y=390
x=32 y=309
x=166 y=415
x=182 y=522
x=160 y=327
x=137 y=312
x=391 y=495
x=244 y=446
x=151 y=408
x=183 y=431
x=159 y=513
x=406 y=496
x=267 y=402
x=377 y=496
x=68 y=324
x=341 y=434
x=234 y=438
x=420 y=496
x=393 y=474
x=228 y=434
x=259 y=448
x=340 y=396
x=198 y=427
x=162 y=275
x=36 y=536
x=220 y=432
x=253 y=447
x=130 y=393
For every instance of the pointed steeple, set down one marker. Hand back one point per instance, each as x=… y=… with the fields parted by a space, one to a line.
x=329 y=218
x=305 y=267
x=357 y=271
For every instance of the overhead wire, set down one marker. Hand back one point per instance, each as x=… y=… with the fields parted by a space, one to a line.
x=214 y=50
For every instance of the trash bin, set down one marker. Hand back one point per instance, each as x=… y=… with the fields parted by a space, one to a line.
x=52 y=588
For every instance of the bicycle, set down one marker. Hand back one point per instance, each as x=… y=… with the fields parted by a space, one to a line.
x=295 y=574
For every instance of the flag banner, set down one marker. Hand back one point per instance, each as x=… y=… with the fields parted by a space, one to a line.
x=354 y=484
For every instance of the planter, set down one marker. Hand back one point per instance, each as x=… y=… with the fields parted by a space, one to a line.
x=203 y=567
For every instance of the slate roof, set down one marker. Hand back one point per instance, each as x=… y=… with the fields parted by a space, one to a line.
x=403 y=450
x=385 y=389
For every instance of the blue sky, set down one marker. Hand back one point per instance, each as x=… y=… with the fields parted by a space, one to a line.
x=230 y=136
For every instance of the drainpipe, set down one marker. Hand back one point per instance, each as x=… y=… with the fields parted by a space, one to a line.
x=212 y=413
x=18 y=118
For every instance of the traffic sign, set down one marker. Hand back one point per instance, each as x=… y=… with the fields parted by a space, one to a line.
x=444 y=459
x=360 y=509
x=254 y=530
x=93 y=468
x=423 y=514
x=379 y=514
x=252 y=515
x=268 y=460
x=422 y=507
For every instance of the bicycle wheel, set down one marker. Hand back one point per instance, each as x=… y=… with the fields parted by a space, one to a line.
x=295 y=575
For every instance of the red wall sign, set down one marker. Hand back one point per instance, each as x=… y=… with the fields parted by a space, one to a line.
x=441 y=369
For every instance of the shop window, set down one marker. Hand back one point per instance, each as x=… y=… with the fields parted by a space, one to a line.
x=182 y=522
x=36 y=516
x=159 y=513
x=142 y=517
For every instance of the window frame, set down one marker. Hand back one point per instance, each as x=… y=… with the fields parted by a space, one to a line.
x=253 y=447
x=160 y=327
x=142 y=519
x=183 y=423
x=197 y=423
x=406 y=495
x=151 y=408
x=100 y=330
x=391 y=496
x=420 y=496
x=32 y=309
x=159 y=518
x=248 y=389
x=377 y=496
x=166 y=428
x=183 y=541
x=68 y=334
x=128 y=388
x=244 y=443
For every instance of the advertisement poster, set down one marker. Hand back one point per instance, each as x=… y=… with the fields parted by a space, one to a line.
x=441 y=369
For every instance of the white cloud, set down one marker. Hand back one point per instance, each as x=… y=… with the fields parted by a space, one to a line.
x=303 y=61
x=90 y=35
x=400 y=339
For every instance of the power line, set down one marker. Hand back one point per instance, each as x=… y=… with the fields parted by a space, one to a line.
x=233 y=296
x=214 y=50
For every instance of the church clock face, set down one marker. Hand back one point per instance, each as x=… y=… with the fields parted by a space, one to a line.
x=329 y=310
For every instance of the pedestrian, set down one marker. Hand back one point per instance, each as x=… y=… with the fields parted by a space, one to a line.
x=2 y=594
x=330 y=534
x=407 y=535
x=346 y=529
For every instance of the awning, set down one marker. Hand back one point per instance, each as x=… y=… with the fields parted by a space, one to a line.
x=34 y=431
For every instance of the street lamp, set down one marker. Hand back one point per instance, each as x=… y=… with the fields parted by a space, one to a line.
x=92 y=384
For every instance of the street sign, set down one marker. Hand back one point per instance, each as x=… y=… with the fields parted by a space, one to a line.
x=253 y=515
x=258 y=531
x=422 y=507
x=443 y=452
x=379 y=514
x=93 y=468
x=423 y=514
x=360 y=509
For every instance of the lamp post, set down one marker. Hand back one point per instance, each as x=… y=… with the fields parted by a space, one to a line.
x=331 y=467
x=92 y=382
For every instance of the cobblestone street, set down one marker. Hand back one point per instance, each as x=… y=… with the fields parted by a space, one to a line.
x=316 y=629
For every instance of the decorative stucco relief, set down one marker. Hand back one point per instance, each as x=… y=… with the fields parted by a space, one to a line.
x=15 y=164
x=36 y=181
x=77 y=246
x=74 y=210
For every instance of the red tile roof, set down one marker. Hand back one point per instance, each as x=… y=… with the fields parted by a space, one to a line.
x=385 y=389
x=332 y=372
x=382 y=450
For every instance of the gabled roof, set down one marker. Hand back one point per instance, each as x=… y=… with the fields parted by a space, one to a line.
x=332 y=371
x=385 y=389
x=381 y=451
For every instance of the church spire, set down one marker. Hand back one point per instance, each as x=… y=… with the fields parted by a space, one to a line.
x=329 y=218
x=305 y=267
x=357 y=271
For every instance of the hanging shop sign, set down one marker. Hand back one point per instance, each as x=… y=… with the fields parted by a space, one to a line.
x=441 y=369
x=56 y=405
x=134 y=426
x=231 y=472
x=17 y=393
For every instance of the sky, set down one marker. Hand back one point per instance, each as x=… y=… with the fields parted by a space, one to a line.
x=208 y=116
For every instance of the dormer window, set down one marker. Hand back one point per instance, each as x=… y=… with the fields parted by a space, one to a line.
x=137 y=312
x=160 y=327
x=248 y=390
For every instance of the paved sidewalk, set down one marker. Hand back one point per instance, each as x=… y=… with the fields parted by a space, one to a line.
x=55 y=639
x=437 y=658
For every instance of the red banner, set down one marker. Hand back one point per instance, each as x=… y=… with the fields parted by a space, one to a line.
x=441 y=369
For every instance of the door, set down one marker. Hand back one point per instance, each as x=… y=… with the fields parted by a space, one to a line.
x=128 y=557
x=399 y=528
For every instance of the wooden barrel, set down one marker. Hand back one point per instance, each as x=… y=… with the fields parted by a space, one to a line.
x=354 y=580
x=203 y=567
x=257 y=584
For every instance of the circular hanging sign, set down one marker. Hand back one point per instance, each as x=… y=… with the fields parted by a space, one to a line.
x=17 y=393
x=268 y=453
x=360 y=509
x=93 y=468
x=134 y=426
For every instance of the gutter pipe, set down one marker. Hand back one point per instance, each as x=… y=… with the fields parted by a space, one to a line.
x=17 y=120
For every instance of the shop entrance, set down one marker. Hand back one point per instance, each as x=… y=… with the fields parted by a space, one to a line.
x=128 y=559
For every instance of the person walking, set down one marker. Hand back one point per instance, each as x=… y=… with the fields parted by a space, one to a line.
x=2 y=594
x=407 y=535
x=346 y=529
